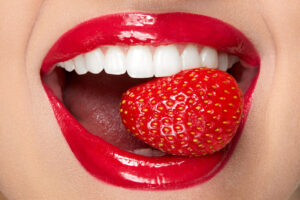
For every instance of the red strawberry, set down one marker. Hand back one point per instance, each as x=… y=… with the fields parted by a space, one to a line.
x=193 y=113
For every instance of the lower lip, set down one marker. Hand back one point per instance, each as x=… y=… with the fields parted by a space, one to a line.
x=120 y=168
x=115 y=166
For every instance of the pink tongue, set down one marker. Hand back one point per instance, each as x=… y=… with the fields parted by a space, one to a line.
x=94 y=100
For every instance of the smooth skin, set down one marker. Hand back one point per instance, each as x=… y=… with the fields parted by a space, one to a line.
x=35 y=160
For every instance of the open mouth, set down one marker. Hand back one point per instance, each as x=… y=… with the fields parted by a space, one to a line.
x=88 y=69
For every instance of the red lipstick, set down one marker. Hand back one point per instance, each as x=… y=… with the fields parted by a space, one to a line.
x=111 y=164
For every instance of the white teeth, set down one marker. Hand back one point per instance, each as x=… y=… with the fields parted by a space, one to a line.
x=209 y=57
x=157 y=153
x=139 y=62
x=61 y=64
x=94 y=61
x=190 y=57
x=223 y=62
x=166 y=61
x=114 y=61
x=149 y=152
x=79 y=62
x=232 y=60
x=69 y=65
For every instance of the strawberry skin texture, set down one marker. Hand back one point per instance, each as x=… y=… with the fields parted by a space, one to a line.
x=193 y=113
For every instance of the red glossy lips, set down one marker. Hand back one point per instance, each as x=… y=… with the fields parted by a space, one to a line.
x=194 y=113
x=111 y=164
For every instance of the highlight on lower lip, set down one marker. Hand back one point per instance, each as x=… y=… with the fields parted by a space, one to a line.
x=118 y=167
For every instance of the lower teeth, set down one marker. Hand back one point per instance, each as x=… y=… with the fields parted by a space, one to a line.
x=148 y=152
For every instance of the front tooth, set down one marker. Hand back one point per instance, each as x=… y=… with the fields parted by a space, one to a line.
x=69 y=65
x=94 y=61
x=232 y=60
x=114 y=61
x=209 y=57
x=190 y=57
x=223 y=62
x=80 y=65
x=139 y=62
x=166 y=61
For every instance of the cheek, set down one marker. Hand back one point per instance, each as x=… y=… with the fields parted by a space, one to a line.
x=284 y=110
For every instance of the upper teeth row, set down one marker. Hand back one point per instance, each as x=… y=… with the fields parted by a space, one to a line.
x=140 y=62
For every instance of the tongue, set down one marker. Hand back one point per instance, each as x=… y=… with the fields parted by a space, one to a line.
x=94 y=100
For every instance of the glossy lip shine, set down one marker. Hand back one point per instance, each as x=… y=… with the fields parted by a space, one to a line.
x=115 y=166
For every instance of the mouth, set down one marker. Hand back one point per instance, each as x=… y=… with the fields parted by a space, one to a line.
x=88 y=69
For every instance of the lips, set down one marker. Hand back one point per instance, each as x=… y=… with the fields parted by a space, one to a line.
x=111 y=164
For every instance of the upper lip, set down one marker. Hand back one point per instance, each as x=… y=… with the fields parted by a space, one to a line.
x=154 y=29
x=110 y=163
